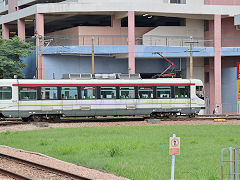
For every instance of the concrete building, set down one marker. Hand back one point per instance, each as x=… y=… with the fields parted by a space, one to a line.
x=125 y=33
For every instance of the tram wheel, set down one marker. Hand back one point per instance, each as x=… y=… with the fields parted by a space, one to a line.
x=55 y=118
x=153 y=116
x=25 y=119
x=191 y=115
x=172 y=115
x=36 y=118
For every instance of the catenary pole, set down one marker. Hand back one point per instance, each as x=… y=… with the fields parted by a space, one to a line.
x=191 y=42
x=191 y=60
x=93 y=68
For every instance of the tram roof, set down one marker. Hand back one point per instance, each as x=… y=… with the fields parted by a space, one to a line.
x=99 y=81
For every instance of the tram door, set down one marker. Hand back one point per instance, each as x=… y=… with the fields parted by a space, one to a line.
x=69 y=96
x=183 y=98
x=8 y=101
x=14 y=105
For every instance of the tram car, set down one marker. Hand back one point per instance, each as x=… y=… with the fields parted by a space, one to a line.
x=32 y=99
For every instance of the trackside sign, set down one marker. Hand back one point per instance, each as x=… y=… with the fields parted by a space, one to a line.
x=174 y=145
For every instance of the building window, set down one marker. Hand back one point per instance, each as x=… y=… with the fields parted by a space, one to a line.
x=127 y=93
x=206 y=77
x=49 y=93
x=164 y=92
x=206 y=25
x=200 y=92
x=108 y=92
x=178 y=1
x=5 y=93
x=155 y=21
x=182 y=91
x=28 y=93
x=206 y=61
x=145 y=92
x=69 y=93
x=88 y=92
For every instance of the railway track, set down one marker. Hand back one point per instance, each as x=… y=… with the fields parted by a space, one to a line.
x=202 y=118
x=18 y=168
x=16 y=121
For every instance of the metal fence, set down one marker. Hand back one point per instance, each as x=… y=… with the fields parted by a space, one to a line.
x=168 y=41
x=230 y=163
x=100 y=40
x=87 y=40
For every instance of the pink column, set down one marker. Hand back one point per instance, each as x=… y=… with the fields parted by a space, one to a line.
x=211 y=86
x=40 y=34
x=21 y=29
x=5 y=31
x=131 y=42
x=217 y=63
x=12 y=6
x=116 y=24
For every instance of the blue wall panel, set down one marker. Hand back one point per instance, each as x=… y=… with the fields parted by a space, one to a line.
x=30 y=69
x=68 y=60
x=59 y=65
x=229 y=89
x=64 y=64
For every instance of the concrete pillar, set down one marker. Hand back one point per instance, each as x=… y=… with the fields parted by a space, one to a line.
x=21 y=29
x=116 y=24
x=39 y=18
x=131 y=42
x=5 y=31
x=12 y=6
x=217 y=63
x=40 y=24
x=211 y=85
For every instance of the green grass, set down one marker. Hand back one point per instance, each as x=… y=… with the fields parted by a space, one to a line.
x=140 y=153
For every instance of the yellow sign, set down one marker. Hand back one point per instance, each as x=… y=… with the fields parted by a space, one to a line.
x=238 y=90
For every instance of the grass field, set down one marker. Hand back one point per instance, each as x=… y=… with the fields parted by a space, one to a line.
x=140 y=153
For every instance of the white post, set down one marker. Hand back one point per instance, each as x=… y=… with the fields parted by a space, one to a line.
x=230 y=163
x=236 y=164
x=173 y=163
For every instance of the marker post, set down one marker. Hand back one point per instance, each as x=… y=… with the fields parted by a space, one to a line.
x=174 y=148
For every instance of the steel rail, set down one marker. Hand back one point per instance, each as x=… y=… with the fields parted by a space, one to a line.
x=16 y=121
x=44 y=167
x=13 y=175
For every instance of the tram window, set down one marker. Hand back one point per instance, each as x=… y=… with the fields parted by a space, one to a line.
x=88 y=92
x=182 y=91
x=49 y=93
x=145 y=92
x=163 y=92
x=5 y=93
x=69 y=93
x=127 y=93
x=108 y=92
x=28 y=93
x=200 y=92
